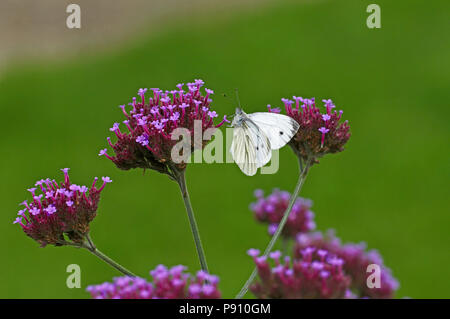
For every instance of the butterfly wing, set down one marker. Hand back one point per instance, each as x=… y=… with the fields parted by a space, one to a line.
x=250 y=147
x=261 y=143
x=278 y=128
x=243 y=151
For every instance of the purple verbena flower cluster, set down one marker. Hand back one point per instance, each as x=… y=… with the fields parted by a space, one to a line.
x=171 y=283
x=146 y=141
x=272 y=208
x=61 y=209
x=319 y=133
x=356 y=259
x=316 y=274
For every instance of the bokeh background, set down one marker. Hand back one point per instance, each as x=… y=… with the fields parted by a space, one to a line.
x=59 y=91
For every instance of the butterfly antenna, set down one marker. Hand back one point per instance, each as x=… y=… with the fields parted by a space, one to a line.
x=237 y=98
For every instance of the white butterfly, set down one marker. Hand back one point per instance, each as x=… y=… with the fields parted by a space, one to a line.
x=255 y=135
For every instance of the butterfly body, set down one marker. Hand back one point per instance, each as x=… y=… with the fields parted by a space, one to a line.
x=239 y=117
x=256 y=135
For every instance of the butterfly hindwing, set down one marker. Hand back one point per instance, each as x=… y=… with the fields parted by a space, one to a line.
x=243 y=151
x=250 y=148
x=261 y=143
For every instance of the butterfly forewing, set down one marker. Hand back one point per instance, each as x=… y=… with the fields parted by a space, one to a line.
x=278 y=128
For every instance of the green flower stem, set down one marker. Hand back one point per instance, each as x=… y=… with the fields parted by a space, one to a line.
x=298 y=187
x=89 y=245
x=180 y=177
x=111 y=262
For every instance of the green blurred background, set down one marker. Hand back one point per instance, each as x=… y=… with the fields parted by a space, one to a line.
x=389 y=187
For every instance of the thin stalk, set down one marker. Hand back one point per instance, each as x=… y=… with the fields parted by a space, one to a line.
x=180 y=176
x=111 y=262
x=89 y=245
x=298 y=187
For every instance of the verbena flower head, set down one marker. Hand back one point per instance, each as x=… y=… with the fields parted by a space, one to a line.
x=271 y=209
x=58 y=210
x=356 y=259
x=315 y=274
x=144 y=140
x=173 y=283
x=319 y=133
